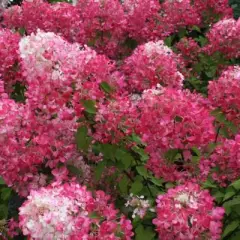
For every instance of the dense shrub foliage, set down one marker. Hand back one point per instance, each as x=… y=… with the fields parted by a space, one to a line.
x=120 y=120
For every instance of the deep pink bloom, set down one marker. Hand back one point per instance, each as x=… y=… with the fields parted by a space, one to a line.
x=187 y=212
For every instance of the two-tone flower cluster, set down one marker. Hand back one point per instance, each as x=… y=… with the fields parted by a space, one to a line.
x=187 y=212
x=69 y=211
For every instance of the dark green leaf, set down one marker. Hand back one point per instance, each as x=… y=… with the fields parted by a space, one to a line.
x=142 y=171
x=136 y=187
x=106 y=87
x=168 y=41
x=229 y=193
x=171 y=154
x=3 y=211
x=22 y=31
x=141 y=152
x=125 y=158
x=74 y=170
x=89 y=106
x=196 y=28
x=178 y=119
x=209 y=184
x=82 y=138
x=144 y=233
x=158 y=182
x=123 y=184
x=230 y=228
x=109 y=151
x=236 y=184
x=6 y=193
x=2 y=181
x=233 y=202
x=99 y=170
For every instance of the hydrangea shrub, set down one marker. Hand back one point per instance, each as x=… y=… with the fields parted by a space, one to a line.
x=119 y=120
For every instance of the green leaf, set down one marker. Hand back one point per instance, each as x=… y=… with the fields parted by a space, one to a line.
x=202 y=40
x=218 y=196
x=168 y=41
x=3 y=211
x=235 y=236
x=196 y=151
x=171 y=154
x=232 y=127
x=233 y=202
x=182 y=32
x=144 y=233
x=141 y=152
x=142 y=171
x=136 y=187
x=211 y=147
x=22 y=31
x=93 y=215
x=209 y=184
x=178 y=119
x=82 y=138
x=106 y=87
x=109 y=151
x=219 y=115
x=6 y=193
x=125 y=158
x=169 y=185
x=89 y=106
x=236 y=184
x=229 y=193
x=99 y=170
x=230 y=228
x=157 y=182
x=211 y=72
x=74 y=170
x=123 y=184
x=137 y=139
x=196 y=28
x=2 y=181
x=224 y=132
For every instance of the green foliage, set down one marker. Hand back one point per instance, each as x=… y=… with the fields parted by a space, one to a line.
x=82 y=139
x=235 y=4
x=106 y=87
x=89 y=106
x=229 y=198
x=5 y=194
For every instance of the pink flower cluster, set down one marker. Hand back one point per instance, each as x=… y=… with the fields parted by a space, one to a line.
x=187 y=212
x=114 y=120
x=69 y=211
x=97 y=23
x=151 y=64
x=224 y=37
x=189 y=50
x=55 y=70
x=173 y=119
x=224 y=162
x=9 y=61
x=224 y=93
x=29 y=143
x=106 y=24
